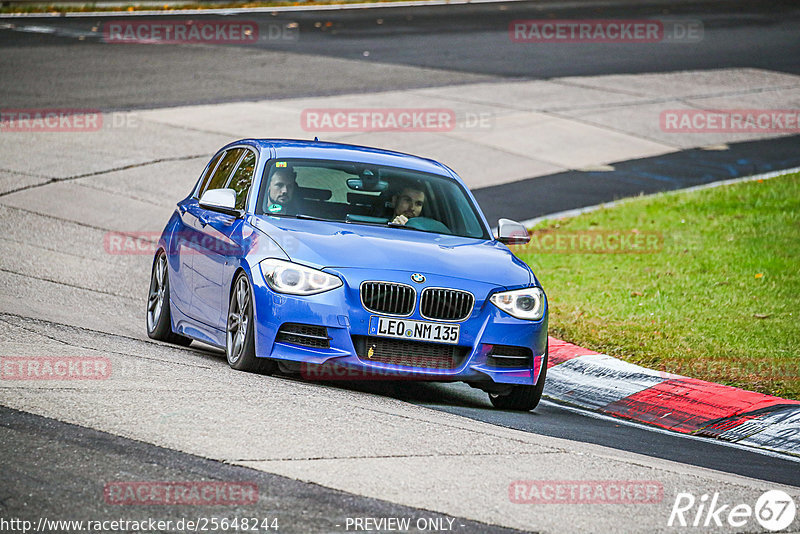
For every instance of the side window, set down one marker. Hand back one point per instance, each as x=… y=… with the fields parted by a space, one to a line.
x=220 y=177
x=242 y=178
x=207 y=175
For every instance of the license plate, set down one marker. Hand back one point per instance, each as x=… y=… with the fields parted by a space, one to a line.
x=414 y=330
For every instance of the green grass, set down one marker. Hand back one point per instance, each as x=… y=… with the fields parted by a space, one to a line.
x=718 y=300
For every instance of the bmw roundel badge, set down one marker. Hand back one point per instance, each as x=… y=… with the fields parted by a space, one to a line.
x=418 y=278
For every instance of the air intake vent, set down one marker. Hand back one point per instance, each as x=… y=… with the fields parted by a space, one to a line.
x=510 y=356
x=307 y=335
x=388 y=298
x=446 y=304
x=409 y=353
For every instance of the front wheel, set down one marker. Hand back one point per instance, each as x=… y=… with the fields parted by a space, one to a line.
x=240 y=346
x=158 y=316
x=522 y=398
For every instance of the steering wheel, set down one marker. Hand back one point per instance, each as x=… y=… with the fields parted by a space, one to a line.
x=428 y=224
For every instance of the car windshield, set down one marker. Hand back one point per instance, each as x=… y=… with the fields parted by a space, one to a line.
x=368 y=194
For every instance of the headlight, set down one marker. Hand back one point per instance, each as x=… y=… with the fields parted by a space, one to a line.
x=287 y=277
x=525 y=303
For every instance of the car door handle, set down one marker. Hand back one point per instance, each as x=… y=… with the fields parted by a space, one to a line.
x=203 y=221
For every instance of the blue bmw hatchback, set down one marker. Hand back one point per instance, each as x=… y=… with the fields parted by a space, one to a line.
x=349 y=261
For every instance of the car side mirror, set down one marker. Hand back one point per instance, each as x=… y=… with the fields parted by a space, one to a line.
x=512 y=233
x=221 y=200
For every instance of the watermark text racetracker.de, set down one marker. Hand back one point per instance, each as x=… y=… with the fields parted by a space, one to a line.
x=605 y=31
x=191 y=242
x=55 y=368
x=333 y=371
x=560 y=241
x=59 y=120
x=21 y=370
x=202 y=493
x=393 y=119
x=730 y=121
x=586 y=492
x=234 y=32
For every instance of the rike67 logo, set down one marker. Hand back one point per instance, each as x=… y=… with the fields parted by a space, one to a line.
x=774 y=510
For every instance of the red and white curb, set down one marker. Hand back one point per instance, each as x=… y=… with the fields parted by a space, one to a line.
x=604 y=384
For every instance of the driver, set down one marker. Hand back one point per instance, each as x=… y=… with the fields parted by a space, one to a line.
x=281 y=189
x=408 y=204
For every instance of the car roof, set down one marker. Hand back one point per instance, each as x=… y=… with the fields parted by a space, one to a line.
x=304 y=149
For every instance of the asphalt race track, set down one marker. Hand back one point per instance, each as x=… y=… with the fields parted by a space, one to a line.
x=321 y=454
x=419 y=47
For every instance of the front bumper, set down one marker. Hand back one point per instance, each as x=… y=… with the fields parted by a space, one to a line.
x=341 y=312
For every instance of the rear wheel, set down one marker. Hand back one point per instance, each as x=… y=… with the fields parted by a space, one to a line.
x=522 y=398
x=159 y=323
x=240 y=347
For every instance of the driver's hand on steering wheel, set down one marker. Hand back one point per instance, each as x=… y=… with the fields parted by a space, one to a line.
x=400 y=219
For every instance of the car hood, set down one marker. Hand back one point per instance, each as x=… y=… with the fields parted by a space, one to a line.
x=323 y=244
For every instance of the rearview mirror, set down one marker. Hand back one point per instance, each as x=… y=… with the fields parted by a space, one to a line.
x=367 y=183
x=512 y=233
x=222 y=200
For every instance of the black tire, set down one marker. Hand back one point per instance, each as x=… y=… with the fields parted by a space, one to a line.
x=240 y=346
x=522 y=398
x=159 y=323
